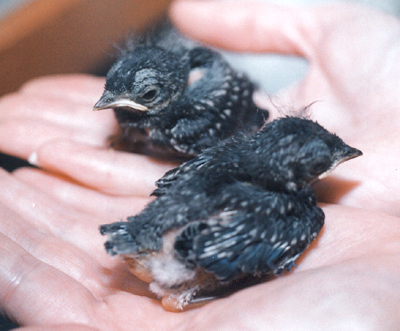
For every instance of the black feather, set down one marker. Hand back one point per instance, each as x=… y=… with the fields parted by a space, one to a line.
x=242 y=208
x=194 y=98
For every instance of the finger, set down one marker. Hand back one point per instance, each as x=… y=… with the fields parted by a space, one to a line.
x=34 y=292
x=81 y=88
x=22 y=137
x=53 y=218
x=56 y=252
x=56 y=111
x=245 y=26
x=262 y=27
x=60 y=237
x=58 y=327
x=101 y=206
x=106 y=170
x=351 y=233
x=308 y=301
x=66 y=100
x=63 y=238
x=53 y=107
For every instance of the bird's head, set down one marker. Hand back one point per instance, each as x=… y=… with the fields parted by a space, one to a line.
x=301 y=151
x=147 y=79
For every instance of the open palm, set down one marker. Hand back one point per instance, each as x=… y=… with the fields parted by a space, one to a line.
x=54 y=272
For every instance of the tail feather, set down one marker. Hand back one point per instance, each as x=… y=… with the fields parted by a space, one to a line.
x=119 y=239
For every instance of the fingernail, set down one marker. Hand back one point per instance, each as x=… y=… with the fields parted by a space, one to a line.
x=34 y=159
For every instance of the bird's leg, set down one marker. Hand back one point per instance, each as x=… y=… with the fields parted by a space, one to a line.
x=184 y=301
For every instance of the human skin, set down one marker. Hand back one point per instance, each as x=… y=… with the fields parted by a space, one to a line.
x=54 y=271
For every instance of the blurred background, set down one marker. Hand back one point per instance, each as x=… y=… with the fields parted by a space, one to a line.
x=47 y=37
x=42 y=37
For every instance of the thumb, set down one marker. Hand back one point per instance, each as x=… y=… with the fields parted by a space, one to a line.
x=262 y=27
x=245 y=26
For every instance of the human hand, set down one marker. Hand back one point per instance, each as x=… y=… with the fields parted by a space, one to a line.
x=352 y=81
x=54 y=270
x=50 y=122
x=347 y=83
x=56 y=275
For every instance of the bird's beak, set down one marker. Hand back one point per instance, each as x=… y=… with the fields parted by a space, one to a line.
x=119 y=103
x=349 y=153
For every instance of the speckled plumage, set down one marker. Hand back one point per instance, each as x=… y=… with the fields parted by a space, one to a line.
x=243 y=208
x=186 y=97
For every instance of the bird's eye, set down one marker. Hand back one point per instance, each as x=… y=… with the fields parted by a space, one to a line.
x=319 y=167
x=150 y=95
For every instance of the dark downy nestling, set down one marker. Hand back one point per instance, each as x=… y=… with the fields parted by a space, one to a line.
x=172 y=95
x=241 y=210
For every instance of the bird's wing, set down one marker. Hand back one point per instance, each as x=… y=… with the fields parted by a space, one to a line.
x=217 y=102
x=172 y=176
x=264 y=233
x=218 y=164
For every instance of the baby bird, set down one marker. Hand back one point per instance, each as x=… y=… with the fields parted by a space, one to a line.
x=243 y=209
x=173 y=96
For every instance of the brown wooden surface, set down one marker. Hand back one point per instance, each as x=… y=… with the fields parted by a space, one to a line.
x=65 y=36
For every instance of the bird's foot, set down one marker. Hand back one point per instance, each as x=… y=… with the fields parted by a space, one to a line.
x=184 y=301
